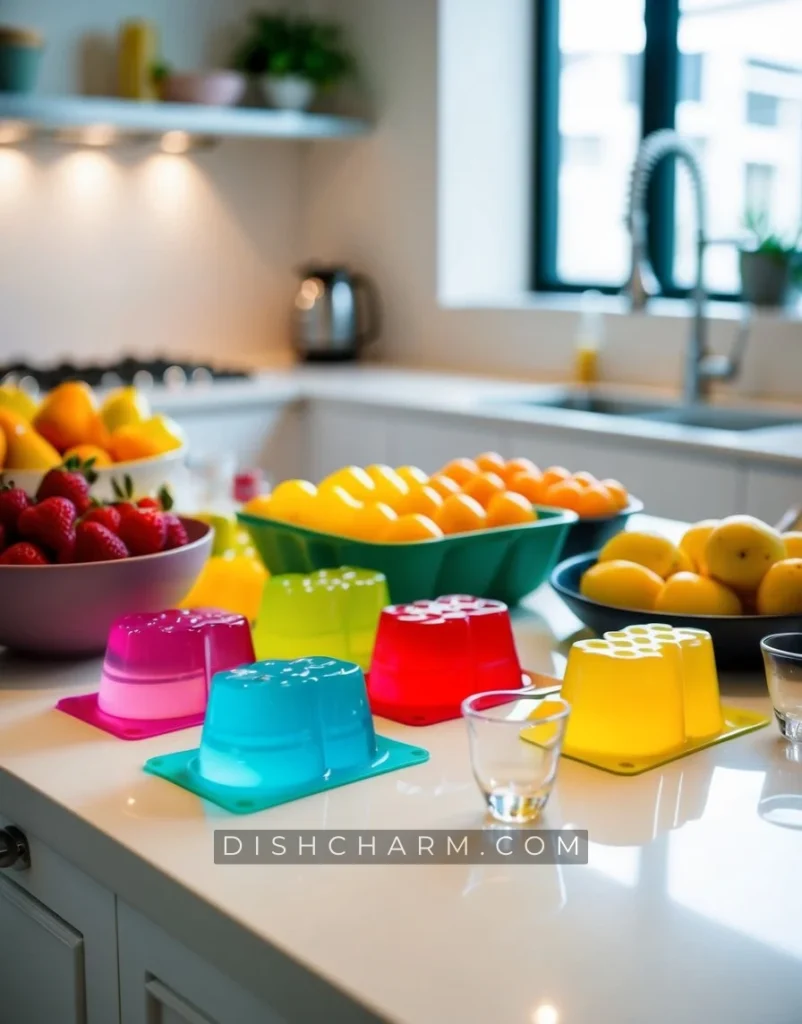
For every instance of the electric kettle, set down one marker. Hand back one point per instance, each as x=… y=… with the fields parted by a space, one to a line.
x=336 y=314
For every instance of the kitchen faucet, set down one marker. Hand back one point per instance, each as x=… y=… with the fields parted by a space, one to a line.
x=701 y=367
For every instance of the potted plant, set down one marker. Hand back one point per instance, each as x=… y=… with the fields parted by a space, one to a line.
x=294 y=58
x=768 y=265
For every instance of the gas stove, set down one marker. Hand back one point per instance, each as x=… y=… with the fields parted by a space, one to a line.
x=142 y=373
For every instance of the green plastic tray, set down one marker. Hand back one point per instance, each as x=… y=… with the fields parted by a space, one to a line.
x=506 y=563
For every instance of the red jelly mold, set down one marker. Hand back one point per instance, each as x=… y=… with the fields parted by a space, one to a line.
x=430 y=655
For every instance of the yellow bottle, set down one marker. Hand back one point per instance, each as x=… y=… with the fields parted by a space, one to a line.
x=138 y=52
x=589 y=337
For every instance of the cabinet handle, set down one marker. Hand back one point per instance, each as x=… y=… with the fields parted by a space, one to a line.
x=14 y=849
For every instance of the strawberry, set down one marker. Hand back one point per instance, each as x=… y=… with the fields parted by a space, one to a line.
x=143 y=531
x=163 y=501
x=64 y=482
x=13 y=501
x=3 y=537
x=106 y=515
x=176 y=532
x=95 y=543
x=49 y=523
x=66 y=551
x=23 y=554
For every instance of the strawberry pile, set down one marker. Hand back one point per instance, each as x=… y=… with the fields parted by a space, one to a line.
x=64 y=523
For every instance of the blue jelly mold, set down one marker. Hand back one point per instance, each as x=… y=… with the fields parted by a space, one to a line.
x=276 y=731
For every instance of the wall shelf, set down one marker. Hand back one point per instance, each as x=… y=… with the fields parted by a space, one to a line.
x=102 y=122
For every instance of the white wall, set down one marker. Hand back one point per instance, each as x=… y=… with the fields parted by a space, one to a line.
x=129 y=250
x=376 y=205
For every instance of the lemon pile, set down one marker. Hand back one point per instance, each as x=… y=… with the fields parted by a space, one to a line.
x=734 y=566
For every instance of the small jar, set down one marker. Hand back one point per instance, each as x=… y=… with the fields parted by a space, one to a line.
x=20 y=57
x=138 y=53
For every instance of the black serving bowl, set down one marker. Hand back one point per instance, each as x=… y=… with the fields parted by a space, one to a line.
x=736 y=638
x=592 y=534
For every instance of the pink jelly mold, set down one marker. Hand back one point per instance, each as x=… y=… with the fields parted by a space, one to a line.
x=430 y=655
x=158 y=669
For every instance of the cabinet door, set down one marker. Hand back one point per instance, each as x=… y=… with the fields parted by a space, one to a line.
x=161 y=982
x=41 y=964
x=429 y=441
x=668 y=482
x=67 y=923
x=339 y=435
x=770 y=492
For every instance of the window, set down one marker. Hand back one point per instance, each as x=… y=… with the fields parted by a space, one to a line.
x=727 y=76
x=762 y=109
x=759 y=189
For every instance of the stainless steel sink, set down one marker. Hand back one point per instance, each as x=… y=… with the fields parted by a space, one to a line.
x=705 y=416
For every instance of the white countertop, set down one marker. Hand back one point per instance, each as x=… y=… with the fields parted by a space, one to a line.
x=495 y=401
x=690 y=909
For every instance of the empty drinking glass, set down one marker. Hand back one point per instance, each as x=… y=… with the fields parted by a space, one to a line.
x=782 y=657
x=515 y=742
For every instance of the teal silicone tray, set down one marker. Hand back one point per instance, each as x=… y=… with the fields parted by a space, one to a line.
x=505 y=563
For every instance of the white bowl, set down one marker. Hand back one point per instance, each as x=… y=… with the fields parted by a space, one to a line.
x=148 y=475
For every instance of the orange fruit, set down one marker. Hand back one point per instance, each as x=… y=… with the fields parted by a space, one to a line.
x=554 y=475
x=460 y=470
x=461 y=514
x=69 y=416
x=564 y=494
x=84 y=452
x=412 y=475
x=514 y=466
x=483 y=487
x=372 y=521
x=618 y=491
x=529 y=484
x=585 y=479
x=444 y=485
x=412 y=527
x=509 y=509
x=425 y=500
x=490 y=462
x=596 y=500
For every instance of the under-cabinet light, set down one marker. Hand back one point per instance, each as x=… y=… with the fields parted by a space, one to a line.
x=12 y=132
x=176 y=142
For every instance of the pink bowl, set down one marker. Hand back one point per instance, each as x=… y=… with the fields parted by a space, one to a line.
x=69 y=609
x=210 y=88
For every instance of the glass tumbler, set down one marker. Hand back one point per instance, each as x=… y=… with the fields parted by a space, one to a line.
x=782 y=657
x=515 y=742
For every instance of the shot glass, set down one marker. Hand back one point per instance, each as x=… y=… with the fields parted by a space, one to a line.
x=515 y=775
x=782 y=658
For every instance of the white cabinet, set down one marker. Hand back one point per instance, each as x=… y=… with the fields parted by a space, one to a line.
x=669 y=482
x=359 y=435
x=770 y=492
x=341 y=435
x=265 y=436
x=430 y=440
x=162 y=982
x=58 y=948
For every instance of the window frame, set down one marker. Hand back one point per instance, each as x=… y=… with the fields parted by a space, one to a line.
x=659 y=99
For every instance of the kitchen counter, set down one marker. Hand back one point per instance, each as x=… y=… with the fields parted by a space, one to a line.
x=689 y=909
x=486 y=400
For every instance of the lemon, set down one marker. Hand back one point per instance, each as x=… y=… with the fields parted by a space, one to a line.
x=651 y=550
x=18 y=401
x=693 y=543
x=372 y=521
x=688 y=593
x=389 y=486
x=793 y=544
x=740 y=551
x=293 y=501
x=780 y=590
x=124 y=407
x=352 y=479
x=622 y=584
